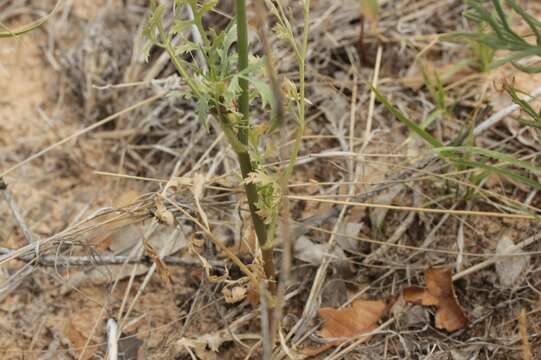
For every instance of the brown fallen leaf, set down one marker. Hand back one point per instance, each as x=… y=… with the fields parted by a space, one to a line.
x=439 y=292
x=342 y=324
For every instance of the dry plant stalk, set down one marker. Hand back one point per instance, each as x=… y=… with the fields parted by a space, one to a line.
x=523 y=327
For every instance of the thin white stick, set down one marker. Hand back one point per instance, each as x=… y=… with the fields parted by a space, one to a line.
x=265 y=322
x=112 y=344
x=99 y=259
x=460 y=246
x=500 y=115
x=17 y=215
x=372 y=102
x=352 y=118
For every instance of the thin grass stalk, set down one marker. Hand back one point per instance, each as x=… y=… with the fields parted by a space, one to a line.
x=302 y=92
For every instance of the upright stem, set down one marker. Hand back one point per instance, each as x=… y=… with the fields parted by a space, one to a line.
x=244 y=157
x=242 y=44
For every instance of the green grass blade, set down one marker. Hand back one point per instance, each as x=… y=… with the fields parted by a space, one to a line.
x=494 y=155
x=31 y=26
x=500 y=171
x=404 y=119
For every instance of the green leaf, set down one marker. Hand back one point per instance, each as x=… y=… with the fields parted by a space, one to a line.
x=267 y=98
x=500 y=171
x=34 y=25
x=492 y=154
x=146 y=50
x=230 y=38
x=233 y=89
x=181 y=25
x=264 y=90
x=149 y=31
x=532 y=22
x=403 y=118
x=493 y=14
x=176 y=93
x=185 y=47
x=524 y=105
x=208 y=5
x=527 y=69
x=202 y=109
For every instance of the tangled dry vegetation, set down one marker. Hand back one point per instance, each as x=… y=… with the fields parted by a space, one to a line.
x=121 y=201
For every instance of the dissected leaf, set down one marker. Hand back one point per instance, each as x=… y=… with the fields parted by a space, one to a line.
x=181 y=25
x=439 y=292
x=202 y=108
x=342 y=324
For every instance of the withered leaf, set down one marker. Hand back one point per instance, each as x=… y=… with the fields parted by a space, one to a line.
x=439 y=292
x=341 y=324
x=161 y=268
x=164 y=215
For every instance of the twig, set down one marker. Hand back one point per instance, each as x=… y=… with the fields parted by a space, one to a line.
x=523 y=328
x=266 y=336
x=372 y=102
x=397 y=235
x=98 y=260
x=17 y=214
x=112 y=343
x=140 y=291
x=92 y=332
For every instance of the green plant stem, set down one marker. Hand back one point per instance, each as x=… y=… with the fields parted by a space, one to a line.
x=242 y=44
x=178 y=65
x=244 y=157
